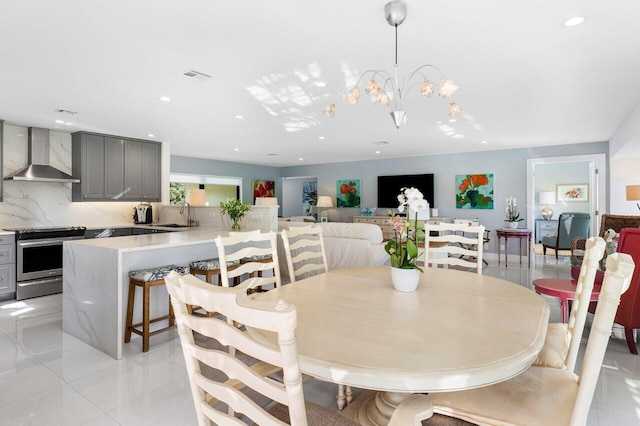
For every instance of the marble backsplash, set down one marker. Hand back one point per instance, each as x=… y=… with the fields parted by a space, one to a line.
x=40 y=204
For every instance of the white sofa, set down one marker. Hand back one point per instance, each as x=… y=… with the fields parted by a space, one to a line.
x=347 y=245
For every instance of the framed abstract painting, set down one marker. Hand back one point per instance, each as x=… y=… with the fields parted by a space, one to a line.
x=348 y=193
x=474 y=191
x=263 y=188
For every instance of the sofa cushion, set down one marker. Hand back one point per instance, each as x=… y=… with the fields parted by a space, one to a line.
x=358 y=231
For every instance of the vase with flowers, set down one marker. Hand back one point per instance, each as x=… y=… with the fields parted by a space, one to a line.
x=236 y=210
x=511 y=209
x=403 y=248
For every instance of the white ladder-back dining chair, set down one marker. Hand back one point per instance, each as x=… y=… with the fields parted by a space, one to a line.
x=306 y=256
x=219 y=398
x=305 y=252
x=562 y=341
x=247 y=248
x=454 y=245
x=547 y=396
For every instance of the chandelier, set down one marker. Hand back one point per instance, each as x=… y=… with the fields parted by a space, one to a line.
x=387 y=89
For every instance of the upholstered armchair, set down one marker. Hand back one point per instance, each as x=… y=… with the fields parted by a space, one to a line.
x=570 y=226
x=608 y=221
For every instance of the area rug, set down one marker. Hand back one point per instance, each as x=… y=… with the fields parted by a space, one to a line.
x=537 y=249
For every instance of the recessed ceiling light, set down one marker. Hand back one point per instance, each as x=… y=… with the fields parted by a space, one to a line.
x=377 y=152
x=151 y=135
x=483 y=141
x=320 y=84
x=321 y=138
x=165 y=98
x=68 y=124
x=239 y=117
x=236 y=149
x=60 y=121
x=438 y=122
x=452 y=120
x=301 y=159
x=572 y=22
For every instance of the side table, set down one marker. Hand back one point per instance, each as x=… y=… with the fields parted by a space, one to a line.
x=564 y=289
x=520 y=234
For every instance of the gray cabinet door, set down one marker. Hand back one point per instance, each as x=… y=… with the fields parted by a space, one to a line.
x=114 y=168
x=92 y=175
x=133 y=170
x=150 y=171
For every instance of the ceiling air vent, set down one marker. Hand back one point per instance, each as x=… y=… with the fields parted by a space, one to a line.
x=196 y=75
x=66 y=111
x=381 y=143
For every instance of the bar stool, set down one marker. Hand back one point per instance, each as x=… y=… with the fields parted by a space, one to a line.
x=211 y=267
x=147 y=278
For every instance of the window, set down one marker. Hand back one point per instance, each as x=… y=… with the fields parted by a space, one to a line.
x=217 y=188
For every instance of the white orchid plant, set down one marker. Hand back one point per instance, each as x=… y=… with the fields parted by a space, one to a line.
x=405 y=255
x=512 y=210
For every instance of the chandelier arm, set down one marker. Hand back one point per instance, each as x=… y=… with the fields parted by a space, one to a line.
x=417 y=70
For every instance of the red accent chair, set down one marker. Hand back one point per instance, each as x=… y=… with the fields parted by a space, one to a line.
x=628 y=314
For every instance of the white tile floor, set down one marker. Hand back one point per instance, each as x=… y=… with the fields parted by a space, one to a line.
x=49 y=378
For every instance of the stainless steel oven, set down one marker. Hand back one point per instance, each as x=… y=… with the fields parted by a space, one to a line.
x=39 y=259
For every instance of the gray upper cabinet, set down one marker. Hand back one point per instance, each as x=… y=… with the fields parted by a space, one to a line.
x=115 y=169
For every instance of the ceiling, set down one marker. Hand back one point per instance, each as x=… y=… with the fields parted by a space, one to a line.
x=525 y=79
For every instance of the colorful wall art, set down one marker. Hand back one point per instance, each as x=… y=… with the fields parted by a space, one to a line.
x=573 y=192
x=348 y=193
x=474 y=191
x=309 y=197
x=263 y=188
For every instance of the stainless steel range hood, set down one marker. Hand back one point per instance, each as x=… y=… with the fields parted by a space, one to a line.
x=38 y=168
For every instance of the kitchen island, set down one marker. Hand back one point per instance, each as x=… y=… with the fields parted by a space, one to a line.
x=95 y=280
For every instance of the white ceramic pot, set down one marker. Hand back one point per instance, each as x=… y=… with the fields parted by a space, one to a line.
x=405 y=280
x=513 y=225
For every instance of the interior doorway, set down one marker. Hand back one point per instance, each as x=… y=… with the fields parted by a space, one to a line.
x=551 y=173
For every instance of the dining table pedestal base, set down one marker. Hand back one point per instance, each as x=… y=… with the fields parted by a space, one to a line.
x=376 y=408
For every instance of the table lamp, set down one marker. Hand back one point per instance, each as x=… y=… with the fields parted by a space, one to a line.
x=546 y=198
x=324 y=201
x=633 y=193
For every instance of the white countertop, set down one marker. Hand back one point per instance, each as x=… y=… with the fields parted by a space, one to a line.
x=185 y=236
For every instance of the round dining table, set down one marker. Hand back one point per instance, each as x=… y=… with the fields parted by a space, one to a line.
x=458 y=330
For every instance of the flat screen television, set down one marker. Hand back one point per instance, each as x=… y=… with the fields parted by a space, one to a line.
x=389 y=187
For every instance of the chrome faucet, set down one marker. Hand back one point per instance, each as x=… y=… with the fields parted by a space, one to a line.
x=190 y=222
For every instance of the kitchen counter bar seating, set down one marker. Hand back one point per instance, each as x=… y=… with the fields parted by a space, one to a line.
x=147 y=278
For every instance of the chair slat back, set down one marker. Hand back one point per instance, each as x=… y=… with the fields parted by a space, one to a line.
x=575 y=326
x=304 y=248
x=617 y=279
x=242 y=246
x=455 y=245
x=217 y=334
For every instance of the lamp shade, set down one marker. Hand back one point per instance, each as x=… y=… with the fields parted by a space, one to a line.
x=266 y=201
x=633 y=192
x=324 y=201
x=547 y=197
x=196 y=197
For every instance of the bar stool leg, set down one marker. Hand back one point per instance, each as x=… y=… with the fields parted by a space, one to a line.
x=129 y=322
x=145 y=318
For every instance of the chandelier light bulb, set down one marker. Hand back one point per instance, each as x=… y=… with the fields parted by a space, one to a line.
x=447 y=88
x=427 y=88
x=454 y=109
x=383 y=99
x=372 y=87
x=353 y=96
x=330 y=110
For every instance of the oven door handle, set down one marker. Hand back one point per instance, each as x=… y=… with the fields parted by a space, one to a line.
x=39 y=243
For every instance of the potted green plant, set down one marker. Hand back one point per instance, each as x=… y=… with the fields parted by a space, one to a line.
x=236 y=210
x=403 y=248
